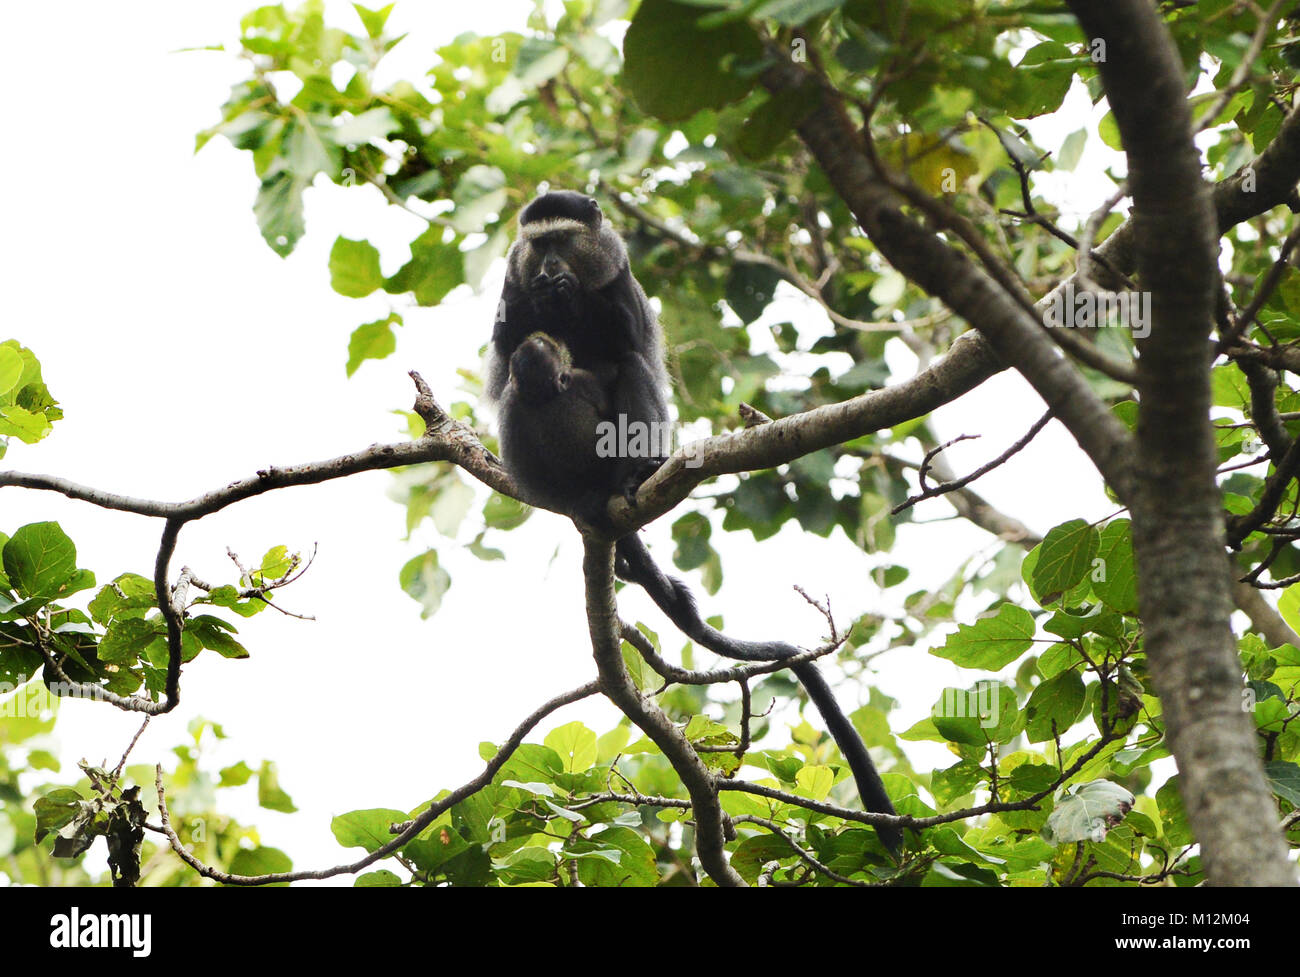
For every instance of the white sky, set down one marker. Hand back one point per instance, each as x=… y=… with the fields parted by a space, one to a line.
x=187 y=354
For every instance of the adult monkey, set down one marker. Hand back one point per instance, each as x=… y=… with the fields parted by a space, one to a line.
x=577 y=345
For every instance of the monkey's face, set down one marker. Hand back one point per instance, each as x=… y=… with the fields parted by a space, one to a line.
x=557 y=260
x=548 y=271
x=539 y=369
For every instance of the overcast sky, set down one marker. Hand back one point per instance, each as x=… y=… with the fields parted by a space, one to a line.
x=187 y=354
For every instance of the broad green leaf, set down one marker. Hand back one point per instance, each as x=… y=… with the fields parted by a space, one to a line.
x=373 y=20
x=39 y=558
x=354 y=268
x=260 y=861
x=1284 y=780
x=636 y=863
x=235 y=775
x=11 y=369
x=673 y=68
x=374 y=124
x=1064 y=556
x=527 y=865
x=976 y=717
x=576 y=745
x=129 y=595
x=127 y=639
x=381 y=878
x=279 y=212
x=1054 y=706
x=991 y=643
x=793 y=13
x=435 y=268
x=269 y=793
x=1114 y=578
x=1087 y=813
x=424 y=579
x=372 y=341
x=366 y=829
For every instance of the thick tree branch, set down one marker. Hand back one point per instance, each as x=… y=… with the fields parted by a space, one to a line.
x=1183 y=586
x=1011 y=329
x=711 y=824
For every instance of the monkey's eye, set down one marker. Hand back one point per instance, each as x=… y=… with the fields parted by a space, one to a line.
x=564 y=379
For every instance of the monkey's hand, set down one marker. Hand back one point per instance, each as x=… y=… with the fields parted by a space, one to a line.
x=638 y=477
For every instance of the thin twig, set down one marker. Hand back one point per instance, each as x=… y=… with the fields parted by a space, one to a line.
x=950 y=486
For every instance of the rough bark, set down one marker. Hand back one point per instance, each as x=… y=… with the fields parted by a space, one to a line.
x=1184 y=591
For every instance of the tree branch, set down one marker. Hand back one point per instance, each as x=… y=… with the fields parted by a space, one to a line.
x=1177 y=518
x=711 y=824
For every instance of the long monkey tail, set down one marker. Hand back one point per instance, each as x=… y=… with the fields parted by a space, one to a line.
x=635 y=565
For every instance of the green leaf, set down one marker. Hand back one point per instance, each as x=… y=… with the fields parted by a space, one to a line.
x=371 y=880
x=1284 y=780
x=539 y=60
x=1054 y=706
x=1087 y=813
x=1064 y=556
x=55 y=809
x=228 y=596
x=275 y=564
x=373 y=21
x=502 y=512
x=793 y=13
x=28 y=426
x=306 y=152
x=530 y=864
x=127 y=639
x=636 y=860
x=1045 y=73
x=269 y=793
x=480 y=194
x=992 y=642
x=1072 y=149
x=753 y=853
x=130 y=595
x=691 y=534
x=673 y=68
x=425 y=580
x=366 y=829
x=767 y=126
x=1108 y=129
x=260 y=861
x=354 y=268
x=279 y=213
x=367 y=127
x=750 y=288
x=235 y=775
x=1114 y=578
x=11 y=369
x=39 y=559
x=576 y=745
x=212 y=633
x=435 y=268
x=978 y=716
x=372 y=341
x=1288 y=605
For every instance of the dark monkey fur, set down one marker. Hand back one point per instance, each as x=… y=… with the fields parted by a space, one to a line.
x=575 y=344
